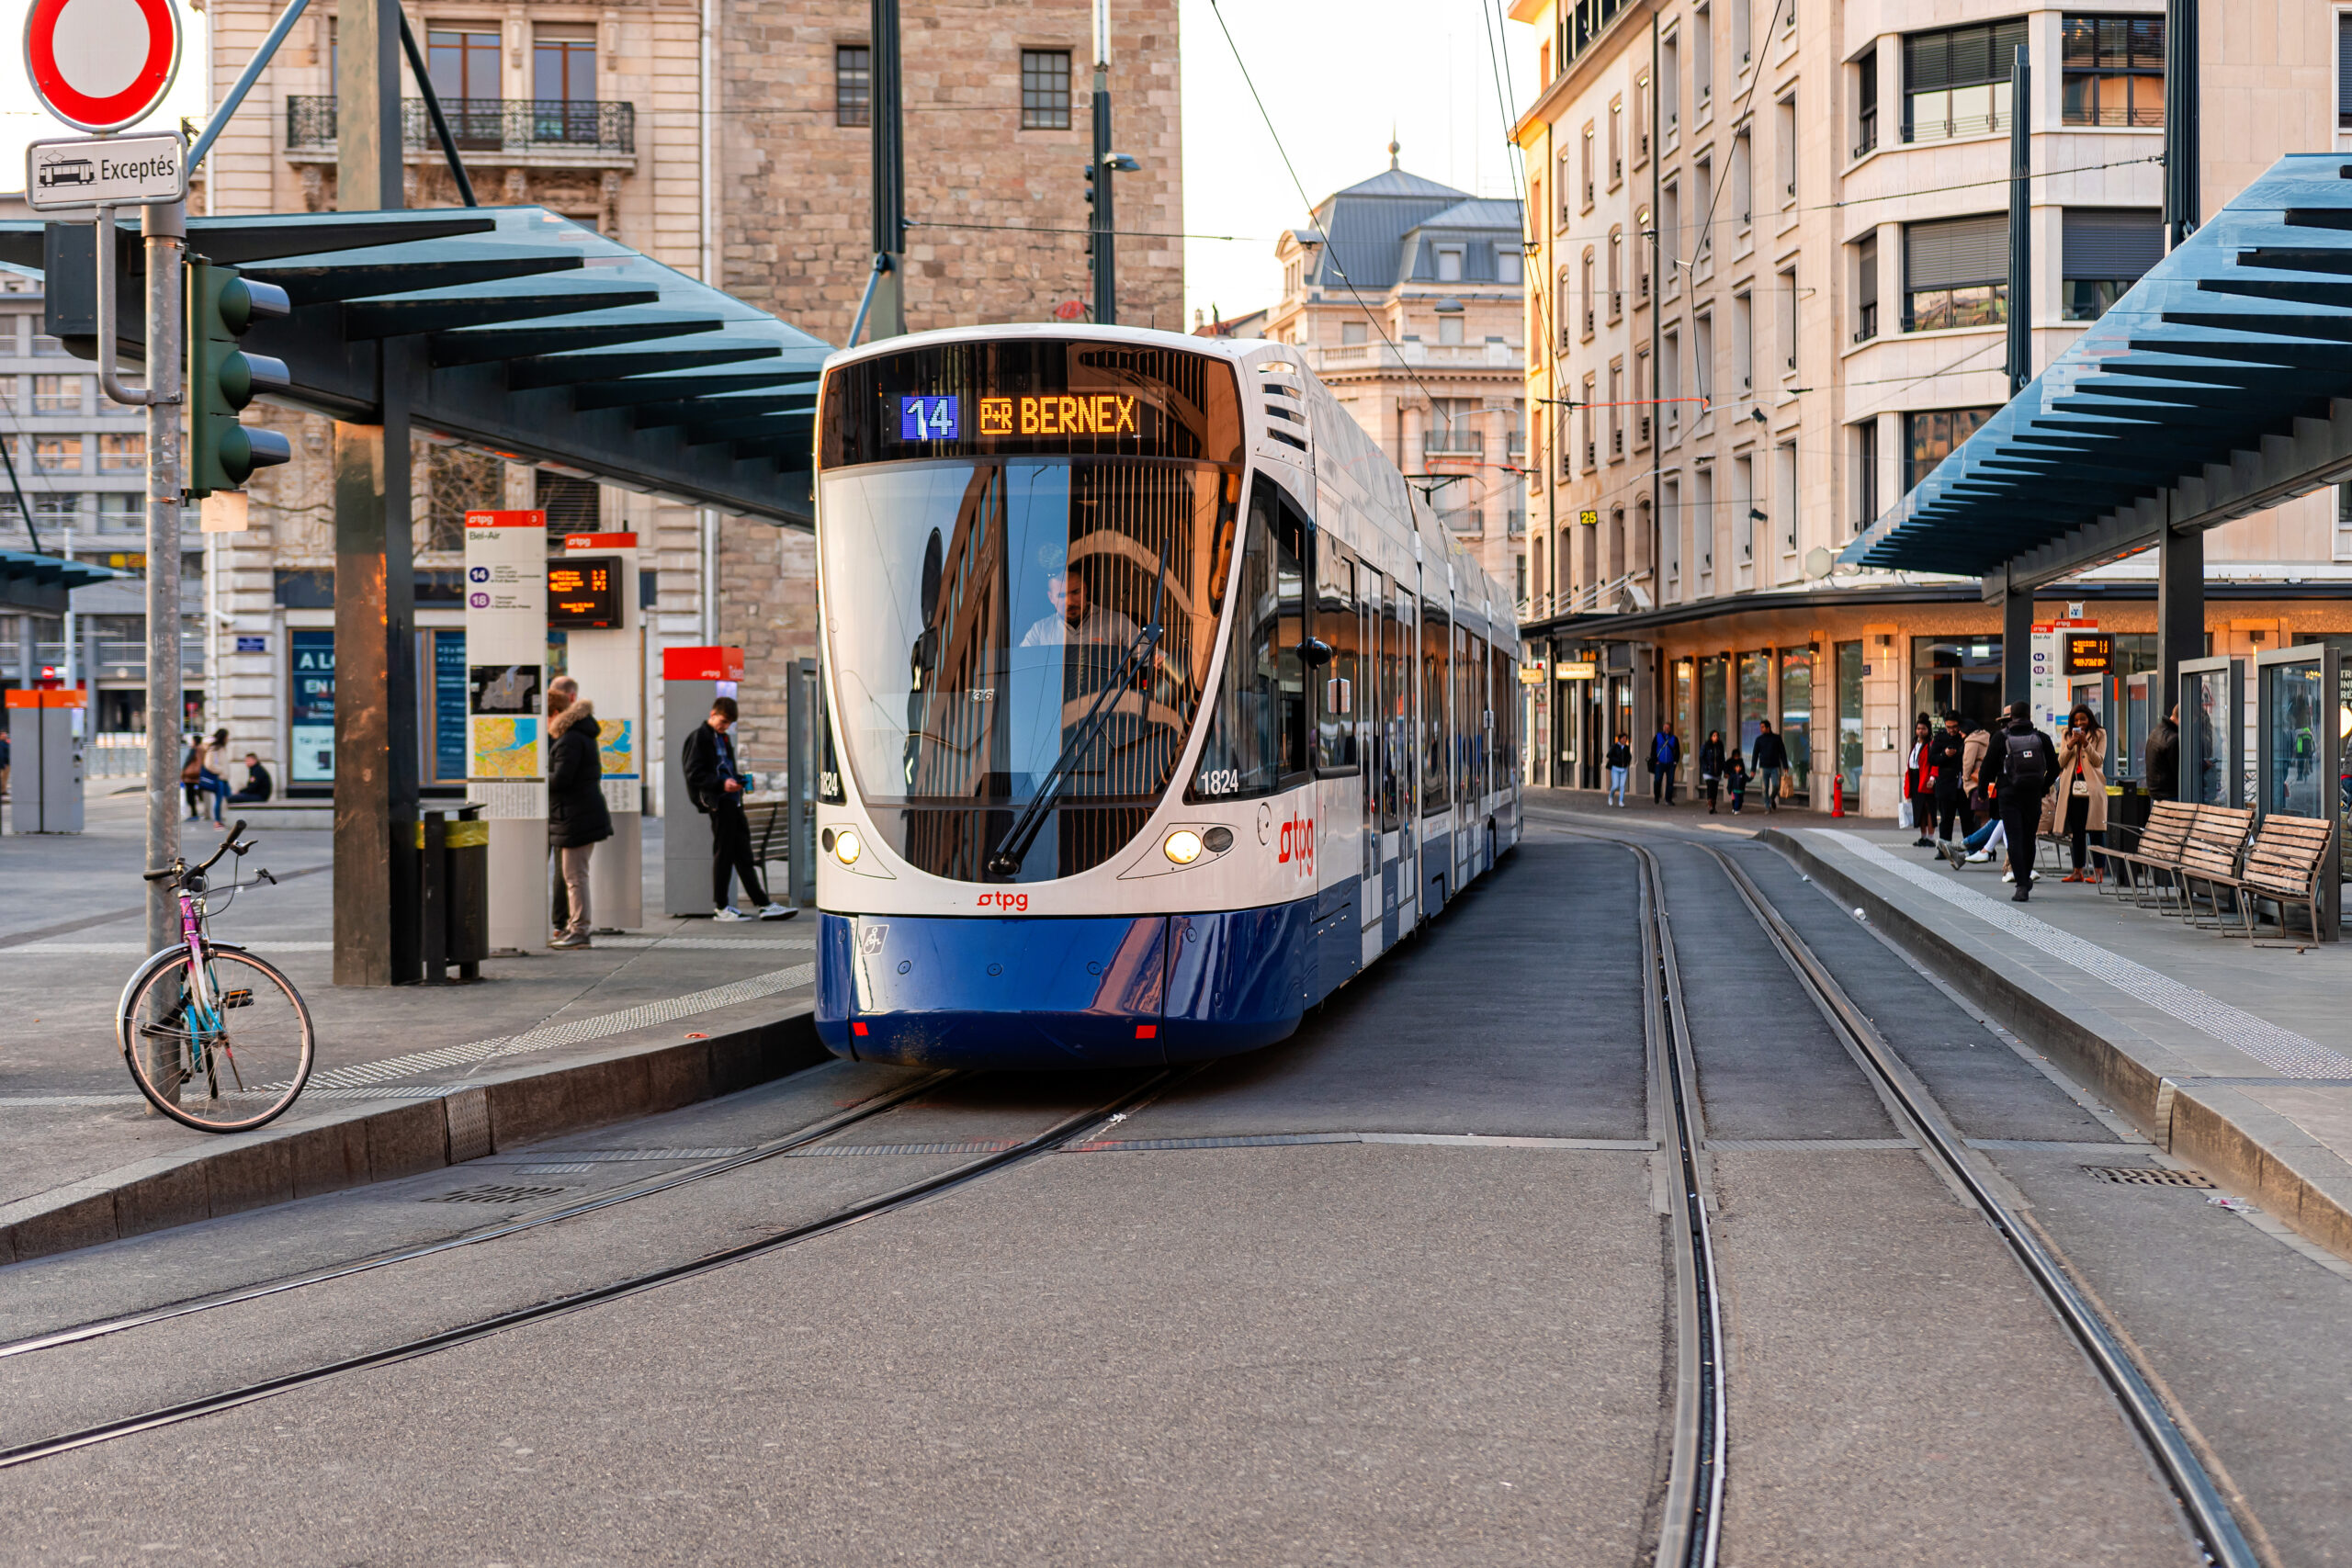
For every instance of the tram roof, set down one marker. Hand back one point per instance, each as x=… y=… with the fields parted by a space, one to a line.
x=2219 y=385
x=532 y=335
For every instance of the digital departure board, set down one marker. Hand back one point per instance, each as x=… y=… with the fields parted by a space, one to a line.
x=2089 y=653
x=583 y=593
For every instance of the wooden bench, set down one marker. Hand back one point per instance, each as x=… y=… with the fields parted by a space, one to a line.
x=2154 y=857
x=2283 y=867
x=2209 y=858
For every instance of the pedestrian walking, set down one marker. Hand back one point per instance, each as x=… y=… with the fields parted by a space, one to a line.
x=209 y=760
x=1621 y=764
x=2162 y=756
x=714 y=783
x=1917 y=804
x=2077 y=806
x=4 y=762
x=578 y=819
x=1711 y=766
x=1772 y=756
x=1736 y=780
x=1666 y=755
x=1973 y=778
x=2029 y=764
x=1947 y=767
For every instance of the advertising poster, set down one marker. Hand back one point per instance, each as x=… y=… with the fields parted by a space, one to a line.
x=310 y=737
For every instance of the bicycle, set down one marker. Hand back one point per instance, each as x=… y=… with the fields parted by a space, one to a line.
x=174 y=1021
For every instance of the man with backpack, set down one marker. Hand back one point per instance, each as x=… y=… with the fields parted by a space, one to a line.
x=2029 y=761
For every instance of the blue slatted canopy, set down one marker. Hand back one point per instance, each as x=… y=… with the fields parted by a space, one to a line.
x=528 y=334
x=2225 y=349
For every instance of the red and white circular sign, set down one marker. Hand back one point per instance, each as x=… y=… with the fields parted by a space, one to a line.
x=102 y=64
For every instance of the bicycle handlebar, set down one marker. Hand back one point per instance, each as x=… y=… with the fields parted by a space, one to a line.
x=227 y=843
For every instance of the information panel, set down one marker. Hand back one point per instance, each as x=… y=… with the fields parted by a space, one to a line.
x=583 y=593
x=506 y=636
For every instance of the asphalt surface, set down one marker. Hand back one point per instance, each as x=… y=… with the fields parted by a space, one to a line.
x=1308 y=1352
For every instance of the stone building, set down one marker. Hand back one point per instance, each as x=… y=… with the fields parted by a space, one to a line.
x=730 y=140
x=1826 y=305
x=1405 y=298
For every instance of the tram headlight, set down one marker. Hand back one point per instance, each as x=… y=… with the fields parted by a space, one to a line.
x=845 y=846
x=1183 y=846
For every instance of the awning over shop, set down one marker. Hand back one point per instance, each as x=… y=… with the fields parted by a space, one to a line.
x=2220 y=385
x=531 y=335
x=39 y=583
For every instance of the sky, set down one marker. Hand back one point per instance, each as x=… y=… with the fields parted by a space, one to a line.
x=1337 y=76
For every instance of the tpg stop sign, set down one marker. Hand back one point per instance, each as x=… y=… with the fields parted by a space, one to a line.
x=102 y=64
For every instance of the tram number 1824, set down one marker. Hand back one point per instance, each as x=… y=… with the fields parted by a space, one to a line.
x=1220 y=780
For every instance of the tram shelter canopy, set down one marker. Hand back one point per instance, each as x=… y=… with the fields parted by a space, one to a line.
x=2220 y=385
x=39 y=583
x=532 y=335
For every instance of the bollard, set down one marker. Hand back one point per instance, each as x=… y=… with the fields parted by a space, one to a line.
x=455 y=907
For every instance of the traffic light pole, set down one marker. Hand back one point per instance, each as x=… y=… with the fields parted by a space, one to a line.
x=166 y=232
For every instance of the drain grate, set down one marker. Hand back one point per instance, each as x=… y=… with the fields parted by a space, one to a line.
x=496 y=1192
x=2144 y=1176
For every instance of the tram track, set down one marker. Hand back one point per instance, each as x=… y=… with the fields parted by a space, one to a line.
x=626 y=1193
x=1064 y=1132
x=1690 y=1525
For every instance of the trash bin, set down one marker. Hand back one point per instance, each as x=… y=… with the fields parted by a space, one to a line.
x=454 y=851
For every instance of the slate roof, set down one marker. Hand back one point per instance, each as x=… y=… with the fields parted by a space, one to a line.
x=1367 y=223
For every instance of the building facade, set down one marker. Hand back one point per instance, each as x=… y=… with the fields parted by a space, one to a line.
x=1404 y=298
x=732 y=143
x=1771 y=244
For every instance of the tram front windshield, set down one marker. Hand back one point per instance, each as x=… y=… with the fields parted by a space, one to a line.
x=1022 y=634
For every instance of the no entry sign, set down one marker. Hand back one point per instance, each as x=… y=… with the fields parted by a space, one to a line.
x=101 y=64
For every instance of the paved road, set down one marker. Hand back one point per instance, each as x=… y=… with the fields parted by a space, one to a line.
x=1302 y=1351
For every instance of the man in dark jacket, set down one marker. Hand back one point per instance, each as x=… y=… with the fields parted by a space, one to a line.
x=1772 y=756
x=1666 y=755
x=2029 y=764
x=2162 y=756
x=716 y=785
x=258 y=783
x=577 y=818
x=1946 y=749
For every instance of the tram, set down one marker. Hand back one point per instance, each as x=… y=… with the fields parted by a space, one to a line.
x=1158 y=705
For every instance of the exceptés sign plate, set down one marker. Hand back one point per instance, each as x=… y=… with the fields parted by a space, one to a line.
x=110 y=171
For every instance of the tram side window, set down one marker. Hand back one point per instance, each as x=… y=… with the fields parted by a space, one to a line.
x=1472 y=709
x=1504 y=683
x=1338 y=687
x=1257 y=736
x=1437 y=638
x=1391 y=738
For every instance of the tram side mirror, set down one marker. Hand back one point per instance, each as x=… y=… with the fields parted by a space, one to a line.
x=1314 y=651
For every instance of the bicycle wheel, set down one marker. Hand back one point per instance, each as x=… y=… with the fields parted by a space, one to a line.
x=224 y=1070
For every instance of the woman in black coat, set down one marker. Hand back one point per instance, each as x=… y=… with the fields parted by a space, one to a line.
x=577 y=820
x=1711 y=766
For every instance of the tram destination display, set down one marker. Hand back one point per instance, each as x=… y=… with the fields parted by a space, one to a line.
x=1043 y=397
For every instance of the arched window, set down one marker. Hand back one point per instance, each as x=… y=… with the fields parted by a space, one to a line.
x=1616 y=273
x=1562 y=187
x=1586 y=295
x=1641 y=255
x=1562 y=302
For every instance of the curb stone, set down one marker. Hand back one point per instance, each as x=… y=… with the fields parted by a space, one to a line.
x=356 y=1143
x=2223 y=1130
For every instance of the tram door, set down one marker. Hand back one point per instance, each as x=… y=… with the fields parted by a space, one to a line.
x=1371 y=589
x=1400 y=802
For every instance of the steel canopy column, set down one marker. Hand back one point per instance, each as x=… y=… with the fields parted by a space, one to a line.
x=2017 y=643
x=2180 y=607
x=375 y=578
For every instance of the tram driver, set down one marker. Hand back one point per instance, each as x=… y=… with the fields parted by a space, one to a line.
x=1075 y=618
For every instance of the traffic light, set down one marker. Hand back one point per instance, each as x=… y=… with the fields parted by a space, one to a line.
x=222 y=378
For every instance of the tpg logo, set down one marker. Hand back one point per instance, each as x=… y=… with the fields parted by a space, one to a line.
x=1016 y=902
x=1298 y=843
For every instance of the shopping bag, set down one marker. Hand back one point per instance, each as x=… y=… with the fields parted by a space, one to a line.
x=1903 y=813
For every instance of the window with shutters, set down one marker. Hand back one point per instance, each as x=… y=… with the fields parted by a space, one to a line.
x=1587 y=296
x=2114 y=70
x=1866 y=288
x=1930 y=437
x=1955 y=79
x=1865 y=474
x=1703 y=59
x=1616 y=141
x=1587 y=166
x=2107 y=251
x=2343 y=69
x=1642 y=241
x=1956 y=273
x=1563 y=307
x=1616 y=273
x=1866 y=102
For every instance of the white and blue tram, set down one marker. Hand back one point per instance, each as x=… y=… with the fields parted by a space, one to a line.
x=1159 y=706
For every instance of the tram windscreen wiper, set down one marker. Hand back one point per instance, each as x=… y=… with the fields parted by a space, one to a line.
x=1005 y=861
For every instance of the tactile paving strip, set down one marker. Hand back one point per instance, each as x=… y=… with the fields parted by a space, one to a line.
x=2286 y=1052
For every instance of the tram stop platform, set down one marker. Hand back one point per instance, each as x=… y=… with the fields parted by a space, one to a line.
x=2236 y=1057
x=407 y=1080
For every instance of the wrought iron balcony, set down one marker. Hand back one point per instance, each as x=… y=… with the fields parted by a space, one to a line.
x=485 y=125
